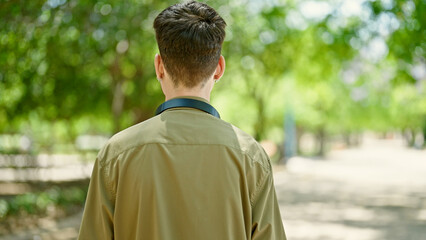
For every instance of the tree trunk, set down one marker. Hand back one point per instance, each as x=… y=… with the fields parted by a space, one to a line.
x=259 y=127
x=117 y=105
x=347 y=139
x=299 y=134
x=118 y=95
x=410 y=136
x=321 y=139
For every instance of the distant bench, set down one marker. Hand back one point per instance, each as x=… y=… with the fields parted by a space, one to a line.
x=18 y=165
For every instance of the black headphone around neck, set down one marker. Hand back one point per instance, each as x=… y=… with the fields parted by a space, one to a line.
x=190 y=103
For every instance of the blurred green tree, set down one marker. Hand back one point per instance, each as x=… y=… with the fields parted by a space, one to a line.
x=87 y=66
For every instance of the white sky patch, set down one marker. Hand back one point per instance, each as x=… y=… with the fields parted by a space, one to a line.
x=387 y=23
x=98 y=34
x=268 y=37
x=334 y=24
x=225 y=12
x=55 y=3
x=327 y=38
x=419 y=71
x=315 y=10
x=364 y=34
x=408 y=8
x=388 y=4
x=351 y=8
x=255 y=7
x=248 y=62
x=229 y=35
x=295 y=20
x=375 y=50
x=355 y=43
x=122 y=46
x=359 y=93
x=350 y=76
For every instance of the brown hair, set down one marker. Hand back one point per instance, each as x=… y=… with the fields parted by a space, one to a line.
x=189 y=37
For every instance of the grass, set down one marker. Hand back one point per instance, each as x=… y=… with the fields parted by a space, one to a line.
x=53 y=200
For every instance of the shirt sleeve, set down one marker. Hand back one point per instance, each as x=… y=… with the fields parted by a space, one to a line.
x=266 y=218
x=97 y=220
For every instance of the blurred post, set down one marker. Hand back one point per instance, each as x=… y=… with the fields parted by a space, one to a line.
x=290 y=139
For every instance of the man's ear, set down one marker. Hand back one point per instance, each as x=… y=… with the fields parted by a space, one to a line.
x=159 y=67
x=220 y=69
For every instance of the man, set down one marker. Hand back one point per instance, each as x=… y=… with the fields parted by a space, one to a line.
x=183 y=174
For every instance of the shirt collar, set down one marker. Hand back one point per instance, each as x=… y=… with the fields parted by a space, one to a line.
x=193 y=97
x=190 y=102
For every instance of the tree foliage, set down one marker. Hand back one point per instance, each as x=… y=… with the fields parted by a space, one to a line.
x=88 y=65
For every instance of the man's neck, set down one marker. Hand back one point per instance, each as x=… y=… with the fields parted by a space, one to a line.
x=185 y=92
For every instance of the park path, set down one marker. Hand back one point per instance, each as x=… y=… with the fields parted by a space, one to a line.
x=375 y=192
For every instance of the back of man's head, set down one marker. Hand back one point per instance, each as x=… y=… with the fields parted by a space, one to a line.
x=189 y=37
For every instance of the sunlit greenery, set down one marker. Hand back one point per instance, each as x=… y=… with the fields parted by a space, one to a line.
x=71 y=67
x=40 y=202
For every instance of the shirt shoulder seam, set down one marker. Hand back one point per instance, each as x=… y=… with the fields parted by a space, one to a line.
x=115 y=155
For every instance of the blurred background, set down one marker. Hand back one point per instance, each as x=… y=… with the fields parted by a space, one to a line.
x=334 y=90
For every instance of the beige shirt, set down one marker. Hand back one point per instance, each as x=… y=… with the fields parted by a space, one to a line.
x=182 y=175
